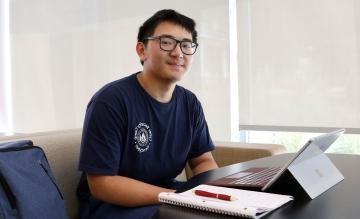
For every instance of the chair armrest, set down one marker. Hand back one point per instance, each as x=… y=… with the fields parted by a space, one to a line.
x=227 y=153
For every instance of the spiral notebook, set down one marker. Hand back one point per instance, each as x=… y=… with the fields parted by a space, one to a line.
x=249 y=204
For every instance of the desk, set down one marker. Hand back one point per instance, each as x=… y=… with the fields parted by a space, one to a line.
x=340 y=201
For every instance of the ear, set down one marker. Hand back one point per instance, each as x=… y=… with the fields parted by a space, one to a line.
x=140 y=50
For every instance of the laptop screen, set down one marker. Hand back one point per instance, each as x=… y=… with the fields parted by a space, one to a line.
x=313 y=147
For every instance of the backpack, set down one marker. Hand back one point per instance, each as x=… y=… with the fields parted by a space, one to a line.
x=27 y=185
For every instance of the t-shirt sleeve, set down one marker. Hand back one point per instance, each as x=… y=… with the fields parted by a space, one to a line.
x=201 y=142
x=101 y=139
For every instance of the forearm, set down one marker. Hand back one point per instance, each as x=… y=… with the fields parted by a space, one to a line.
x=124 y=191
x=203 y=167
x=202 y=163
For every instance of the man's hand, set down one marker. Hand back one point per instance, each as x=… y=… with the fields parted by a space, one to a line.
x=124 y=191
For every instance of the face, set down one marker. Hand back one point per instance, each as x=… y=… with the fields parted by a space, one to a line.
x=168 y=66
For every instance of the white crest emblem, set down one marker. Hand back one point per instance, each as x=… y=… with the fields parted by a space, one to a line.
x=143 y=137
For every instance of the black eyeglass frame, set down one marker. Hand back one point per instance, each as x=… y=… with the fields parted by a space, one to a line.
x=194 y=44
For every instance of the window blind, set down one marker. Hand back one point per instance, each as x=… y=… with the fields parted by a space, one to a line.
x=299 y=64
x=63 y=51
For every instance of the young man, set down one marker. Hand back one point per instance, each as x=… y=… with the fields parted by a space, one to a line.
x=140 y=131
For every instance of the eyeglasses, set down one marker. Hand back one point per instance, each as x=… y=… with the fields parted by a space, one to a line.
x=168 y=43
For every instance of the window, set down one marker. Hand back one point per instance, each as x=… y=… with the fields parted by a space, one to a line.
x=347 y=143
x=299 y=71
x=299 y=64
x=284 y=65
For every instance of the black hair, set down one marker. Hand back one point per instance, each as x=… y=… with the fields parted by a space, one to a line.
x=149 y=26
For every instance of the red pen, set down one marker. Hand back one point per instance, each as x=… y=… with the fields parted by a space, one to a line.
x=214 y=195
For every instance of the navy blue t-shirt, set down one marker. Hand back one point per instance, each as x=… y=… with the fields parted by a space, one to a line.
x=128 y=133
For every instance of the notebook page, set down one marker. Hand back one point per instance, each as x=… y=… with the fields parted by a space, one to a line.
x=247 y=202
x=245 y=198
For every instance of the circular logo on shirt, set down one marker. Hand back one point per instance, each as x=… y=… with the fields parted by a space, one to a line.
x=143 y=137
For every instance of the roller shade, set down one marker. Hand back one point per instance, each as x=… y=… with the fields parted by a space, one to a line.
x=299 y=63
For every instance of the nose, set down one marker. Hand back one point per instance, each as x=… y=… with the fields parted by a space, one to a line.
x=177 y=51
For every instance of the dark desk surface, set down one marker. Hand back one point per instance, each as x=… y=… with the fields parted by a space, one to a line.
x=340 y=201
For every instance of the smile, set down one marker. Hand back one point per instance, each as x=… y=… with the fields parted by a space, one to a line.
x=175 y=64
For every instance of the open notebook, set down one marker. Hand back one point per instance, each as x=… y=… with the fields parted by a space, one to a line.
x=249 y=204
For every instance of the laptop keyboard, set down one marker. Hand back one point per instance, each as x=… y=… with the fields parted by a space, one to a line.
x=258 y=178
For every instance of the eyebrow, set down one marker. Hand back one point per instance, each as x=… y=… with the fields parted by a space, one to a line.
x=170 y=36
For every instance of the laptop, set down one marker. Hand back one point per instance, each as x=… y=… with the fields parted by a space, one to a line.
x=311 y=154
